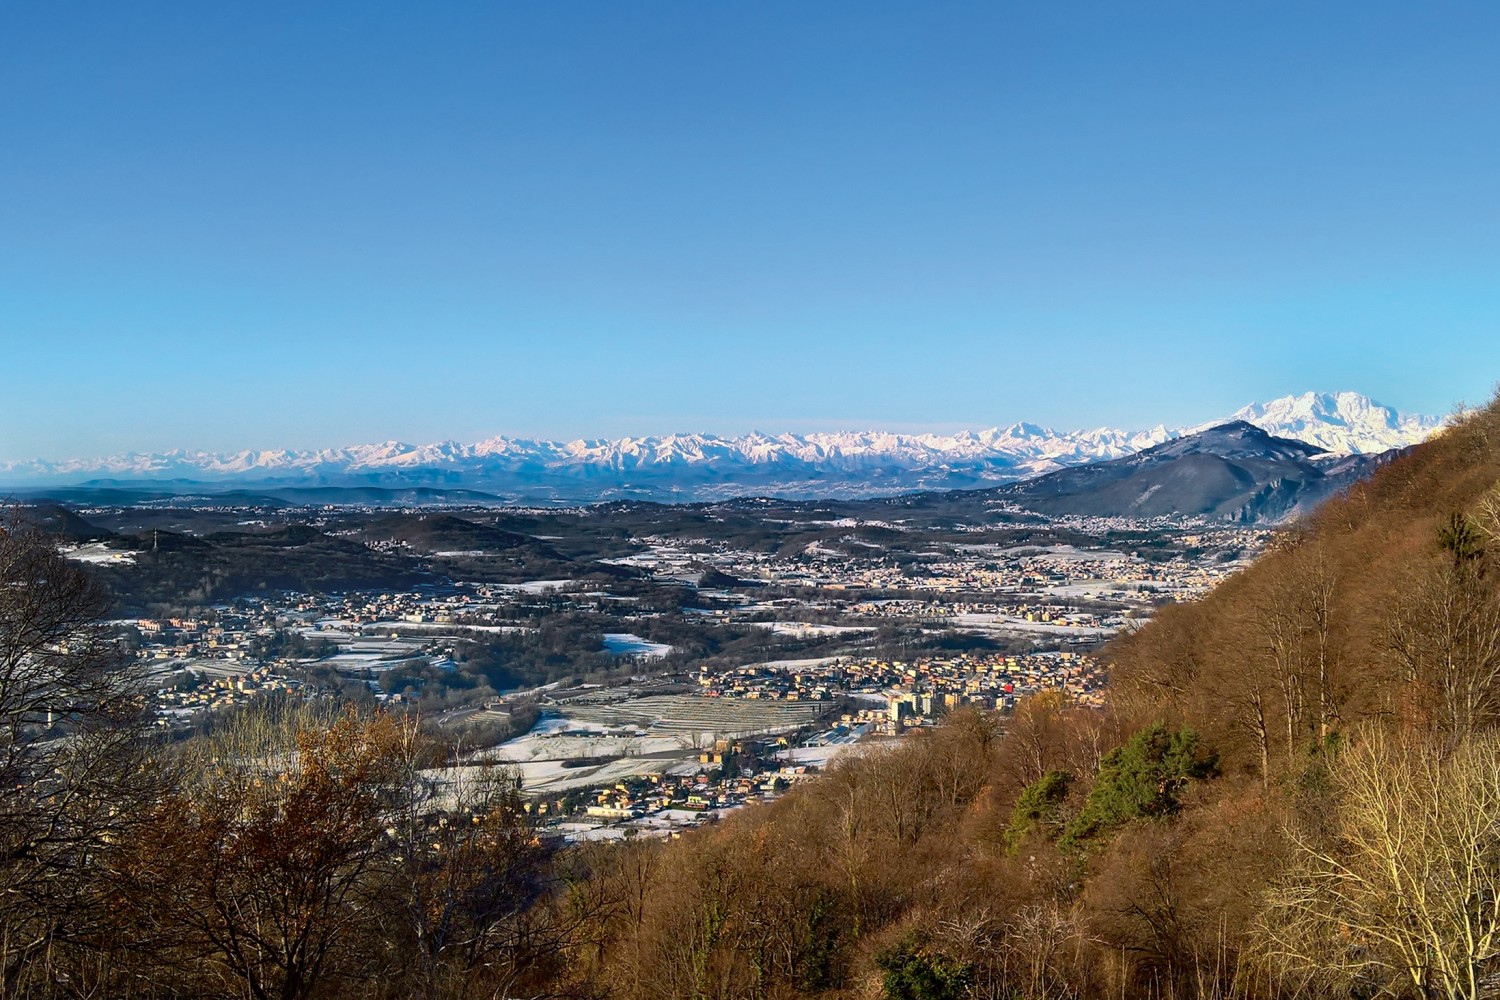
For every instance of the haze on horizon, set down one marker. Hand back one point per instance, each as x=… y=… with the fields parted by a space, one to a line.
x=302 y=227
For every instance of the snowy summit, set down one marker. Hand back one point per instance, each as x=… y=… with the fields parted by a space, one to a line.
x=1345 y=423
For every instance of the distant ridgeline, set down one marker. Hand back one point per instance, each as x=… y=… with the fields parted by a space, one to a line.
x=694 y=467
x=1234 y=472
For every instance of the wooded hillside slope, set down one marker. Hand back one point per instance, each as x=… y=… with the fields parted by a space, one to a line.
x=1293 y=791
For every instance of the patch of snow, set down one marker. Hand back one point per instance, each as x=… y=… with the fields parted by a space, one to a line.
x=803 y=629
x=97 y=553
x=629 y=644
x=535 y=586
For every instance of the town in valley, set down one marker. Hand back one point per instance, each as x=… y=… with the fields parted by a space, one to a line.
x=643 y=669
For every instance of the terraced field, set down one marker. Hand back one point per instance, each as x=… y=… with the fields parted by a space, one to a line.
x=693 y=714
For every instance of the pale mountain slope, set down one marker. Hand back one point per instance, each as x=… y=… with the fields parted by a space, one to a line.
x=1345 y=423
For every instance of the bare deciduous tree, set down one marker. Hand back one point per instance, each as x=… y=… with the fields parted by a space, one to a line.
x=465 y=874
x=1445 y=633
x=1404 y=897
x=70 y=754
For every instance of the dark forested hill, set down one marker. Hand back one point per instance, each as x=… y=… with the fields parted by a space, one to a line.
x=1235 y=471
x=427 y=532
x=173 y=570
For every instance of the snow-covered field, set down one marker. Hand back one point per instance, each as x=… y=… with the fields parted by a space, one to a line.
x=555 y=725
x=331 y=629
x=808 y=663
x=558 y=747
x=536 y=586
x=820 y=756
x=630 y=644
x=371 y=654
x=1008 y=623
x=1063 y=553
x=552 y=776
x=697 y=717
x=541 y=753
x=810 y=628
x=445 y=627
x=1108 y=589
x=644 y=736
x=97 y=553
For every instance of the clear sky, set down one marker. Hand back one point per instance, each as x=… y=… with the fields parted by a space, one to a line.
x=229 y=225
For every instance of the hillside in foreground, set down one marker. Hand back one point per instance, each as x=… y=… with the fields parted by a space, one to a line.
x=1223 y=828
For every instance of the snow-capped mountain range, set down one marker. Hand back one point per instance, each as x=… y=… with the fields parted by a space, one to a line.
x=706 y=466
x=1344 y=423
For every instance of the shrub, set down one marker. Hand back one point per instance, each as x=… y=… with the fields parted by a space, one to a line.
x=1141 y=779
x=1038 y=808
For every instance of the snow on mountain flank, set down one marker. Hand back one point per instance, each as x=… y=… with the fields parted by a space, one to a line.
x=1345 y=423
x=708 y=466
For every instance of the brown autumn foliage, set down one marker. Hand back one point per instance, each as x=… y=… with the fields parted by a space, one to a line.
x=1291 y=793
x=1378 y=615
x=299 y=855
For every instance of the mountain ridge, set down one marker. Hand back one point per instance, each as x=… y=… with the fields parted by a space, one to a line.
x=708 y=466
x=1235 y=471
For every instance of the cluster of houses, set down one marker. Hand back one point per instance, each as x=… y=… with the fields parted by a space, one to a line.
x=224 y=634
x=198 y=691
x=665 y=804
x=1027 y=571
x=926 y=687
x=701 y=792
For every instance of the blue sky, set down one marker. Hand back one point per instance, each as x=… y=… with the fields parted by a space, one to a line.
x=261 y=225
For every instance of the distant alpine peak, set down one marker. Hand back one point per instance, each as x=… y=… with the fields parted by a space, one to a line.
x=1345 y=423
